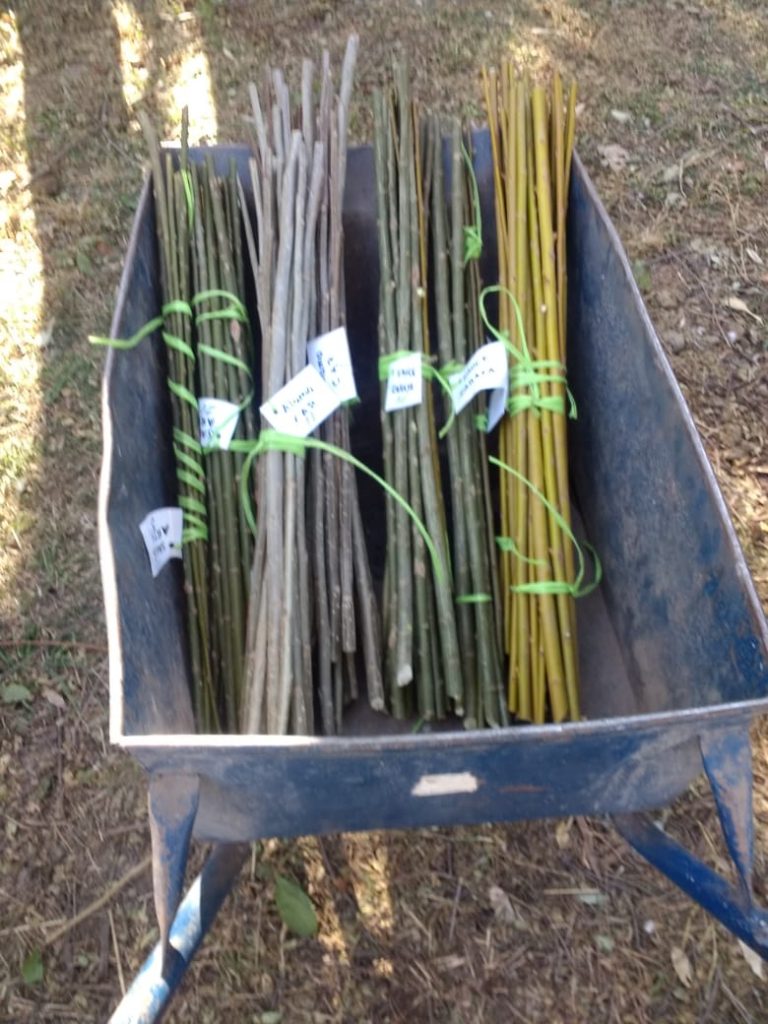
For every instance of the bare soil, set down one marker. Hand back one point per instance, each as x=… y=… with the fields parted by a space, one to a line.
x=583 y=930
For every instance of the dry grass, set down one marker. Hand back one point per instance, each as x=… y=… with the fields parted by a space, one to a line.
x=408 y=927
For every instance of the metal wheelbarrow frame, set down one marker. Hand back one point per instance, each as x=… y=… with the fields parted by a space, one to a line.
x=673 y=647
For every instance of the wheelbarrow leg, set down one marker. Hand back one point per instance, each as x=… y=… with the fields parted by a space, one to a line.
x=173 y=801
x=727 y=761
x=159 y=977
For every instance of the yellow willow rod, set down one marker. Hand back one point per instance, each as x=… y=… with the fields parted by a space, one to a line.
x=553 y=426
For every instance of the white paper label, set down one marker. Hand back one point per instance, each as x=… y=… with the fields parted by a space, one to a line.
x=404 y=383
x=218 y=422
x=161 y=531
x=497 y=404
x=485 y=371
x=329 y=354
x=301 y=405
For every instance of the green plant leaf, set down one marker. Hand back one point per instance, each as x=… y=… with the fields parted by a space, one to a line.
x=15 y=693
x=295 y=908
x=642 y=275
x=83 y=262
x=32 y=968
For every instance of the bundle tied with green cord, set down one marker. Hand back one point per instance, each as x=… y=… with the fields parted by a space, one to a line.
x=423 y=664
x=204 y=326
x=542 y=568
x=312 y=617
x=456 y=232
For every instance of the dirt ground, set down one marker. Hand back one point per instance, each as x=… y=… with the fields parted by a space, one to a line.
x=583 y=931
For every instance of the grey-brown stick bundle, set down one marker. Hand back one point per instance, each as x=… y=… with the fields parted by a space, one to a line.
x=312 y=608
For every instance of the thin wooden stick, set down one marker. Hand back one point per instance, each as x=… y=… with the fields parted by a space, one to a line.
x=106 y=897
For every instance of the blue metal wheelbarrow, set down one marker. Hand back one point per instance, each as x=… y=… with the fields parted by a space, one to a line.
x=674 y=646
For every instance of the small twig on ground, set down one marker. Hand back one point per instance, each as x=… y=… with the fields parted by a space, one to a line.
x=116 y=950
x=105 y=898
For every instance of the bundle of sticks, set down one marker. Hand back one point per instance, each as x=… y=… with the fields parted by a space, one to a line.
x=532 y=137
x=442 y=634
x=312 y=606
x=209 y=352
x=283 y=613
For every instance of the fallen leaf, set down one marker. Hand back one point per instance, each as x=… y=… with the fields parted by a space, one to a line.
x=563 y=833
x=604 y=943
x=754 y=256
x=622 y=116
x=83 y=262
x=15 y=693
x=642 y=275
x=671 y=173
x=32 y=968
x=737 y=304
x=295 y=908
x=451 y=962
x=592 y=899
x=682 y=966
x=54 y=698
x=271 y=1017
x=754 y=960
x=613 y=156
x=43 y=338
x=503 y=909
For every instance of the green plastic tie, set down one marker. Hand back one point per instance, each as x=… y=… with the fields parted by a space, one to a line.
x=473 y=233
x=575 y=589
x=189 y=470
x=527 y=374
x=473 y=599
x=276 y=441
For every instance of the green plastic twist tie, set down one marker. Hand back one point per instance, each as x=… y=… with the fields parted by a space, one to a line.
x=527 y=374
x=473 y=233
x=576 y=589
x=277 y=441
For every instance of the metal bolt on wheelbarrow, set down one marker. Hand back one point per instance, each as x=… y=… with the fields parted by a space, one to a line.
x=673 y=646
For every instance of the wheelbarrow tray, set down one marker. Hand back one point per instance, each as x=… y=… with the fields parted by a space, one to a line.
x=672 y=646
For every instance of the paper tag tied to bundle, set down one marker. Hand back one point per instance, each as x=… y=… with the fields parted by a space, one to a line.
x=487 y=370
x=330 y=356
x=405 y=382
x=300 y=406
x=161 y=530
x=218 y=422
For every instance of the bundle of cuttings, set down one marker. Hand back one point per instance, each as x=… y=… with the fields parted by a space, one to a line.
x=423 y=663
x=470 y=367
x=312 y=614
x=204 y=326
x=532 y=132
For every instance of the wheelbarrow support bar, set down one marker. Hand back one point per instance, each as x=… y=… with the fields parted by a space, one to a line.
x=146 y=999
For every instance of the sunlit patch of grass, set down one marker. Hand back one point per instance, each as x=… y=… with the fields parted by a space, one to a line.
x=133 y=52
x=190 y=85
x=22 y=331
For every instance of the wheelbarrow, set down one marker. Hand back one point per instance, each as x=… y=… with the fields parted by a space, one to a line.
x=673 y=645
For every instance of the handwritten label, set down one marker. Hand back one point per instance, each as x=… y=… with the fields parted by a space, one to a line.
x=405 y=383
x=329 y=354
x=485 y=371
x=218 y=422
x=161 y=530
x=497 y=404
x=301 y=405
